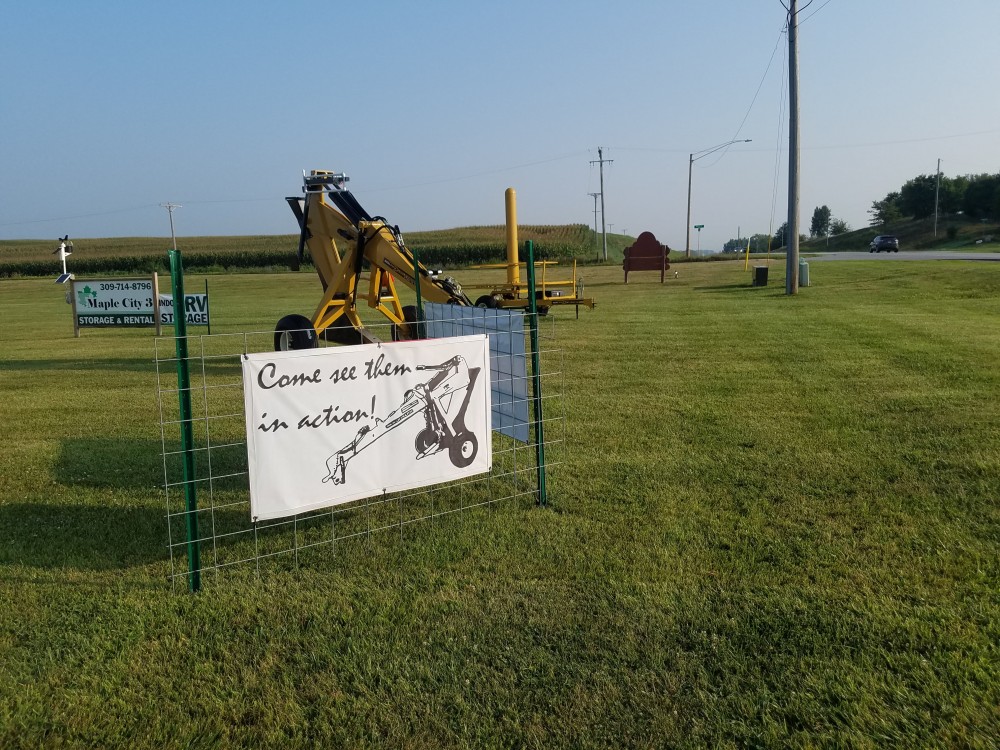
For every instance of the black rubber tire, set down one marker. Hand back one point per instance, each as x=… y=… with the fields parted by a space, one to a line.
x=463 y=449
x=425 y=439
x=342 y=332
x=294 y=332
x=410 y=316
x=488 y=301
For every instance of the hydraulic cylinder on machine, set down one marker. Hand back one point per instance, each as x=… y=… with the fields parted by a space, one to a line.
x=342 y=238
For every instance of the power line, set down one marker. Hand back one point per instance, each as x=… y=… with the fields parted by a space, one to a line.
x=649 y=149
x=814 y=12
x=78 y=216
x=761 y=84
x=497 y=170
x=908 y=140
x=777 y=151
x=829 y=147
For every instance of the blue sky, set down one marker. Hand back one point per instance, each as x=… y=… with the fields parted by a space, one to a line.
x=435 y=108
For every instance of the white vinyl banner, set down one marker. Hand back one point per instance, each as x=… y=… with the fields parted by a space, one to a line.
x=329 y=426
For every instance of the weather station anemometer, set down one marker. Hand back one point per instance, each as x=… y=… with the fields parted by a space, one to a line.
x=65 y=248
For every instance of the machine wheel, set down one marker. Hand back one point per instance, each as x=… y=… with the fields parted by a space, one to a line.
x=463 y=449
x=425 y=439
x=341 y=331
x=488 y=301
x=294 y=332
x=410 y=316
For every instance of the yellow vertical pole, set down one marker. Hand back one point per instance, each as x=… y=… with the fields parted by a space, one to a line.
x=513 y=267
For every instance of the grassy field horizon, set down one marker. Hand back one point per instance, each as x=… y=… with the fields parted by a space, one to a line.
x=569 y=240
x=775 y=524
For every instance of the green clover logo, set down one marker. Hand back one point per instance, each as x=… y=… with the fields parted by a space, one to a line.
x=84 y=293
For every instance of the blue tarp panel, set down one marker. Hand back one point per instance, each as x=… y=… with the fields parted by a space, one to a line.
x=508 y=359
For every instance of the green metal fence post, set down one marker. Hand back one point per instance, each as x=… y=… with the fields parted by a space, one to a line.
x=187 y=431
x=418 y=326
x=208 y=309
x=536 y=374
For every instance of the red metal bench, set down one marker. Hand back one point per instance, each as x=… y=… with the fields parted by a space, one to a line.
x=646 y=254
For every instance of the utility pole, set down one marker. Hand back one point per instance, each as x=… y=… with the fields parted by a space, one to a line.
x=937 y=190
x=600 y=160
x=170 y=210
x=792 y=238
x=594 y=196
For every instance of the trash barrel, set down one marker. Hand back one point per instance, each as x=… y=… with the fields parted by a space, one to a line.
x=803 y=273
x=760 y=275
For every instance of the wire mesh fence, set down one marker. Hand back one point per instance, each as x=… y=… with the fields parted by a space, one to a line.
x=227 y=538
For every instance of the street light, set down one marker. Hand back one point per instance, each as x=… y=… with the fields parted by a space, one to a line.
x=691 y=160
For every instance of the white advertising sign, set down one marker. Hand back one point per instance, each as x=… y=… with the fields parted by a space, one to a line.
x=333 y=425
x=114 y=302
x=195 y=309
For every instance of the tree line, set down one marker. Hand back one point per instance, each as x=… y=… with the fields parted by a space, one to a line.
x=977 y=196
x=824 y=224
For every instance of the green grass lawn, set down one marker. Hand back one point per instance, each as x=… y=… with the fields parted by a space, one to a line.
x=775 y=524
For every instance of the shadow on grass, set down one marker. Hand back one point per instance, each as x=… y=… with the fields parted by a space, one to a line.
x=113 y=363
x=740 y=287
x=230 y=365
x=101 y=537
x=650 y=282
x=141 y=464
x=124 y=464
x=85 y=537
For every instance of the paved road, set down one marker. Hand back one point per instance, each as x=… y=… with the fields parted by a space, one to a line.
x=904 y=255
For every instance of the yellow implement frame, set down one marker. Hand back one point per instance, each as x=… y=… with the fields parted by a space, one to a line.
x=343 y=239
x=514 y=293
x=341 y=245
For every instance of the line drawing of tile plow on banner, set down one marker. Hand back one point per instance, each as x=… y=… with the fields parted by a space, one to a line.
x=443 y=400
